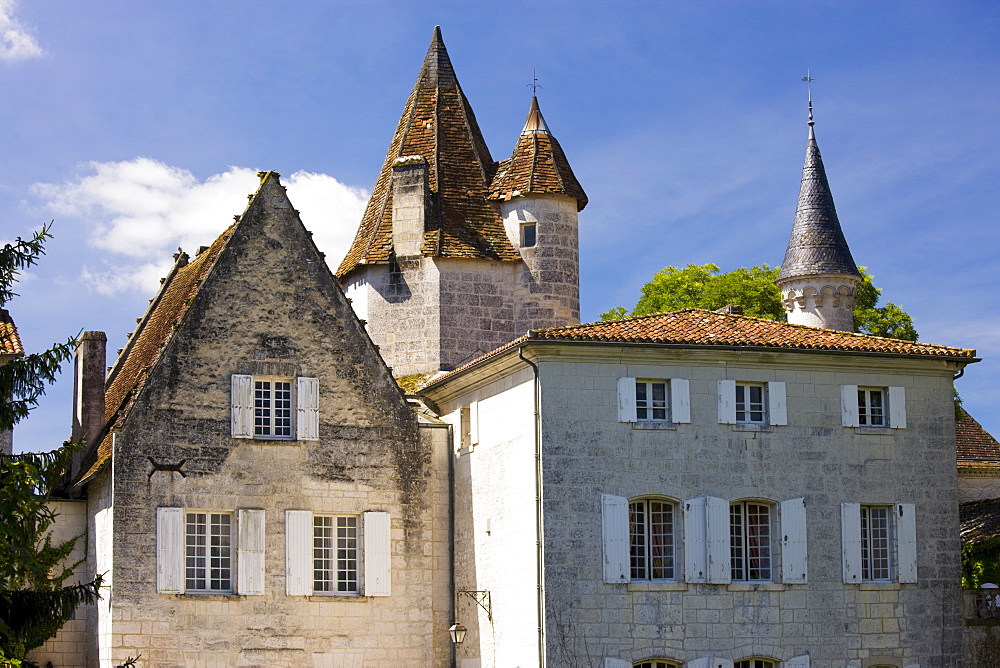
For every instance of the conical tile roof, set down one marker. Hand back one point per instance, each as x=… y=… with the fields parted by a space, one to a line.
x=817 y=244
x=538 y=165
x=438 y=124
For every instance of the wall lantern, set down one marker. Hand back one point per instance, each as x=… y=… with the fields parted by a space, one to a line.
x=457 y=633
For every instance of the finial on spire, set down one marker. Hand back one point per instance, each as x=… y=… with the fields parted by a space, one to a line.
x=534 y=83
x=808 y=79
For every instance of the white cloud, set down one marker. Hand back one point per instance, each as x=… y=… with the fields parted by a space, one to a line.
x=140 y=211
x=15 y=42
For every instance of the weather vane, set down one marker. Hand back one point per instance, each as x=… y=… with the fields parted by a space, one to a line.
x=534 y=83
x=808 y=79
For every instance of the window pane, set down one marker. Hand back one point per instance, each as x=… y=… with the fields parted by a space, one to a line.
x=661 y=545
x=637 y=533
x=736 y=551
x=208 y=552
x=641 y=401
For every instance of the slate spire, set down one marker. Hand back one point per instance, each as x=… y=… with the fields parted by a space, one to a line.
x=437 y=124
x=817 y=244
x=818 y=278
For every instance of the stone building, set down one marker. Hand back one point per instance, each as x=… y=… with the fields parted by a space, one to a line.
x=692 y=489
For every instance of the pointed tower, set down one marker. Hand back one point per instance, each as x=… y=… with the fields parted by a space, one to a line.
x=539 y=200
x=432 y=268
x=818 y=277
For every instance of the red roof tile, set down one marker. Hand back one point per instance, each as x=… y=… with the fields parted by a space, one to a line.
x=698 y=327
x=10 y=341
x=972 y=442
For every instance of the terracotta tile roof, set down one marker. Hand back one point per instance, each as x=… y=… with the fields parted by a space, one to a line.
x=150 y=338
x=972 y=442
x=698 y=327
x=10 y=341
x=538 y=165
x=980 y=520
x=438 y=124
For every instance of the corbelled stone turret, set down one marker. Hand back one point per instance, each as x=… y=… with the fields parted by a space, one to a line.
x=818 y=277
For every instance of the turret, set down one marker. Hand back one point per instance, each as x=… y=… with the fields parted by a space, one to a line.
x=539 y=200
x=818 y=277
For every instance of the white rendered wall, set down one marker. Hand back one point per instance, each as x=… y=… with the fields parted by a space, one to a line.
x=495 y=525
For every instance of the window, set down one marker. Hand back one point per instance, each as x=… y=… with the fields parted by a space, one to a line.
x=198 y=551
x=272 y=408
x=754 y=663
x=654 y=400
x=208 y=552
x=875 y=543
x=529 y=235
x=873 y=406
x=750 y=541
x=879 y=542
x=335 y=554
x=752 y=403
x=346 y=555
x=651 y=539
x=275 y=408
x=656 y=663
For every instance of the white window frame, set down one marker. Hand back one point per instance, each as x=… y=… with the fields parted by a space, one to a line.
x=676 y=402
x=656 y=663
x=740 y=544
x=893 y=406
x=374 y=554
x=876 y=543
x=647 y=407
x=336 y=555
x=872 y=403
x=302 y=408
x=773 y=403
x=273 y=408
x=181 y=557
x=642 y=541
x=755 y=662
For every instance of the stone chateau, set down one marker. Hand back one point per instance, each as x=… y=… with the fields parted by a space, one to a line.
x=695 y=488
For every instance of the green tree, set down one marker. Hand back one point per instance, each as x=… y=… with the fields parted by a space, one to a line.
x=34 y=600
x=753 y=288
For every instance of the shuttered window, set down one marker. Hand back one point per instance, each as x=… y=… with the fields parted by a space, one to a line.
x=275 y=408
x=654 y=400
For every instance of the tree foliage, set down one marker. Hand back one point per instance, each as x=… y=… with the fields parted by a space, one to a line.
x=34 y=599
x=753 y=288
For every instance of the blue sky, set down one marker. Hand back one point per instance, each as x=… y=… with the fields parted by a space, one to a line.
x=139 y=126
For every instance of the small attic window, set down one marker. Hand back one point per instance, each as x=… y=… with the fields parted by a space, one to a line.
x=529 y=235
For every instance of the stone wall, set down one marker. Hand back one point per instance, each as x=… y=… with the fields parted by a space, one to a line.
x=68 y=649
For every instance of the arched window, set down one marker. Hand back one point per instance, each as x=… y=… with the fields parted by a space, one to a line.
x=750 y=541
x=656 y=663
x=651 y=539
x=755 y=663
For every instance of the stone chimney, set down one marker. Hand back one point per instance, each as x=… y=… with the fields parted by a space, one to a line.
x=88 y=390
x=409 y=204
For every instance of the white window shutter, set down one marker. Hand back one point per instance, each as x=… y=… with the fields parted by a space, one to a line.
x=727 y=402
x=474 y=423
x=378 y=554
x=797 y=662
x=849 y=405
x=695 y=541
x=777 y=408
x=680 y=400
x=897 y=407
x=250 y=546
x=242 y=406
x=626 y=399
x=850 y=532
x=298 y=552
x=307 y=415
x=717 y=531
x=615 y=531
x=616 y=663
x=906 y=541
x=170 y=550
x=794 y=552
